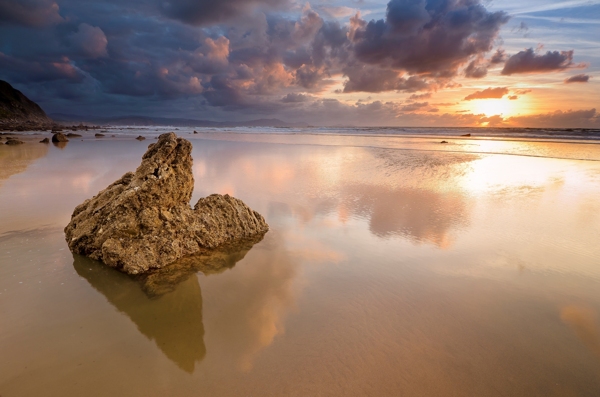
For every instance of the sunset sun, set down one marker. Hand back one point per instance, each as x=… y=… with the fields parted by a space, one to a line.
x=493 y=107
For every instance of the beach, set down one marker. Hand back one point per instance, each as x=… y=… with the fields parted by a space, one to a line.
x=394 y=265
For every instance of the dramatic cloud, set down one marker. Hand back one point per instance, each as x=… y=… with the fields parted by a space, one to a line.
x=529 y=62
x=209 y=12
x=35 y=13
x=244 y=59
x=488 y=93
x=427 y=36
x=578 y=78
x=90 y=40
x=367 y=78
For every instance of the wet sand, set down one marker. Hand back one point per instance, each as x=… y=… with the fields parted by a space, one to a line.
x=394 y=266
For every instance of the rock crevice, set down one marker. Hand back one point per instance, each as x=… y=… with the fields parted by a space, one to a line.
x=144 y=220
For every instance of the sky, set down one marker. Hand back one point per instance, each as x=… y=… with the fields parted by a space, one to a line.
x=327 y=62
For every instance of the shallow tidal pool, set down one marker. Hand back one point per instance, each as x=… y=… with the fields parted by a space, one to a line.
x=394 y=267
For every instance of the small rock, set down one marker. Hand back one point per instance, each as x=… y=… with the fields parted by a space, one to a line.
x=59 y=137
x=72 y=135
x=195 y=132
x=14 y=141
x=99 y=135
x=444 y=142
x=45 y=140
x=466 y=135
x=140 y=138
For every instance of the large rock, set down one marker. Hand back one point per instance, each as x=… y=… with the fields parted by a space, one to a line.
x=19 y=112
x=144 y=220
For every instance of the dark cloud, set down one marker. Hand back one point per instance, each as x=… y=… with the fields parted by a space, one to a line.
x=427 y=36
x=488 y=93
x=296 y=98
x=498 y=57
x=529 y=62
x=21 y=71
x=34 y=13
x=476 y=69
x=209 y=12
x=89 y=40
x=578 y=78
x=368 y=78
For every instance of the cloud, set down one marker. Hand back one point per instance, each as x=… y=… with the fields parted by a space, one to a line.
x=498 y=57
x=210 y=12
x=476 y=69
x=529 y=62
x=366 y=78
x=33 y=13
x=414 y=106
x=427 y=36
x=516 y=94
x=488 y=93
x=296 y=98
x=337 y=11
x=578 y=78
x=90 y=41
x=560 y=119
x=415 y=97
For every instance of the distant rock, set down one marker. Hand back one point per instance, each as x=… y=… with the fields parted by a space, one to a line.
x=14 y=141
x=59 y=137
x=99 y=135
x=19 y=112
x=444 y=142
x=466 y=135
x=72 y=135
x=144 y=221
x=45 y=140
x=140 y=138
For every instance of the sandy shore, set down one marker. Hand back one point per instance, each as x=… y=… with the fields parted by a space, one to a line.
x=393 y=265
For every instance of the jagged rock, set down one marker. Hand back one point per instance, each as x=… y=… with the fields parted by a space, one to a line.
x=144 y=220
x=59 y=137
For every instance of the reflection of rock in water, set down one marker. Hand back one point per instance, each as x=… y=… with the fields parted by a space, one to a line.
x=16 y=159
x=162 y=281
x=168 y=306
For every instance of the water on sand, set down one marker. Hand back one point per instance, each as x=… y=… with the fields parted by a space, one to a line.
x=394 y=266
